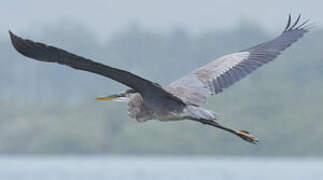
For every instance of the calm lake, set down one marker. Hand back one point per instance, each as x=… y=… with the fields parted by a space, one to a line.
x=157 y=168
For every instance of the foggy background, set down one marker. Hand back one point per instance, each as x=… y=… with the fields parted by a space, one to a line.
x=49 y=108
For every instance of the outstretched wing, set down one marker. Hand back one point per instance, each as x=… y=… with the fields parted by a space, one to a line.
x=43 y=52
x=225 y=71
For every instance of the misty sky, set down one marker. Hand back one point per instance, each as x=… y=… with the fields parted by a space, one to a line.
x=106 y=17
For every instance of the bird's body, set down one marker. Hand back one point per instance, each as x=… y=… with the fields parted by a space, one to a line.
x=181 y=99
x=141 y=112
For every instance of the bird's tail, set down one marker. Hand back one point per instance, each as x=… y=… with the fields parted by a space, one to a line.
x=194 y=112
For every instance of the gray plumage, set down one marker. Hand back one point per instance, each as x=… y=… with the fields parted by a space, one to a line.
x=181 y=99
x=221 y=73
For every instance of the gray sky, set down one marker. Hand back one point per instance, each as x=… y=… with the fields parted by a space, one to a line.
x=106 y=17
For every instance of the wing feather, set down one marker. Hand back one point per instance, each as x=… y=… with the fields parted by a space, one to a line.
x=225 y=71
x=43 y=52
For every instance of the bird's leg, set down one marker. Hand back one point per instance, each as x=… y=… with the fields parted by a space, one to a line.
x=241 y=133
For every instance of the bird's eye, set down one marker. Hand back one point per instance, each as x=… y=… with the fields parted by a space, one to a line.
x=128 y=91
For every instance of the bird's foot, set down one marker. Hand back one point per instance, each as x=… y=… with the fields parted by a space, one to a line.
x=246 y=136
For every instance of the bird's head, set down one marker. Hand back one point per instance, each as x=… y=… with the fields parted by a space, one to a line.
x=122 y=97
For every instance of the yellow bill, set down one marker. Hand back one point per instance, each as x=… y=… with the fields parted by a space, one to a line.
x=115 y=97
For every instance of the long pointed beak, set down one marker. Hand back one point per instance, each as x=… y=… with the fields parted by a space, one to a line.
x=109 y=98
x=115 y=97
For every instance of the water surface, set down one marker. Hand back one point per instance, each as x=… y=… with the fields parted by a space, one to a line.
x=157 y=168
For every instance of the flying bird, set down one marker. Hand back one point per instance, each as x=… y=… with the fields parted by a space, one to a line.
x=182 y=98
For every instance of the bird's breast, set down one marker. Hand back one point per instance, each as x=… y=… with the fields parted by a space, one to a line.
x=137 y=110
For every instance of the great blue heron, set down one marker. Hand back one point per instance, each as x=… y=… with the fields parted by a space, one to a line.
x=181 y=99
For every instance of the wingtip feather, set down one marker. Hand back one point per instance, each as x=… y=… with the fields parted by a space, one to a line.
x=13 y=38
x=296 y=25
x=288 y=22
x=10 y=34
